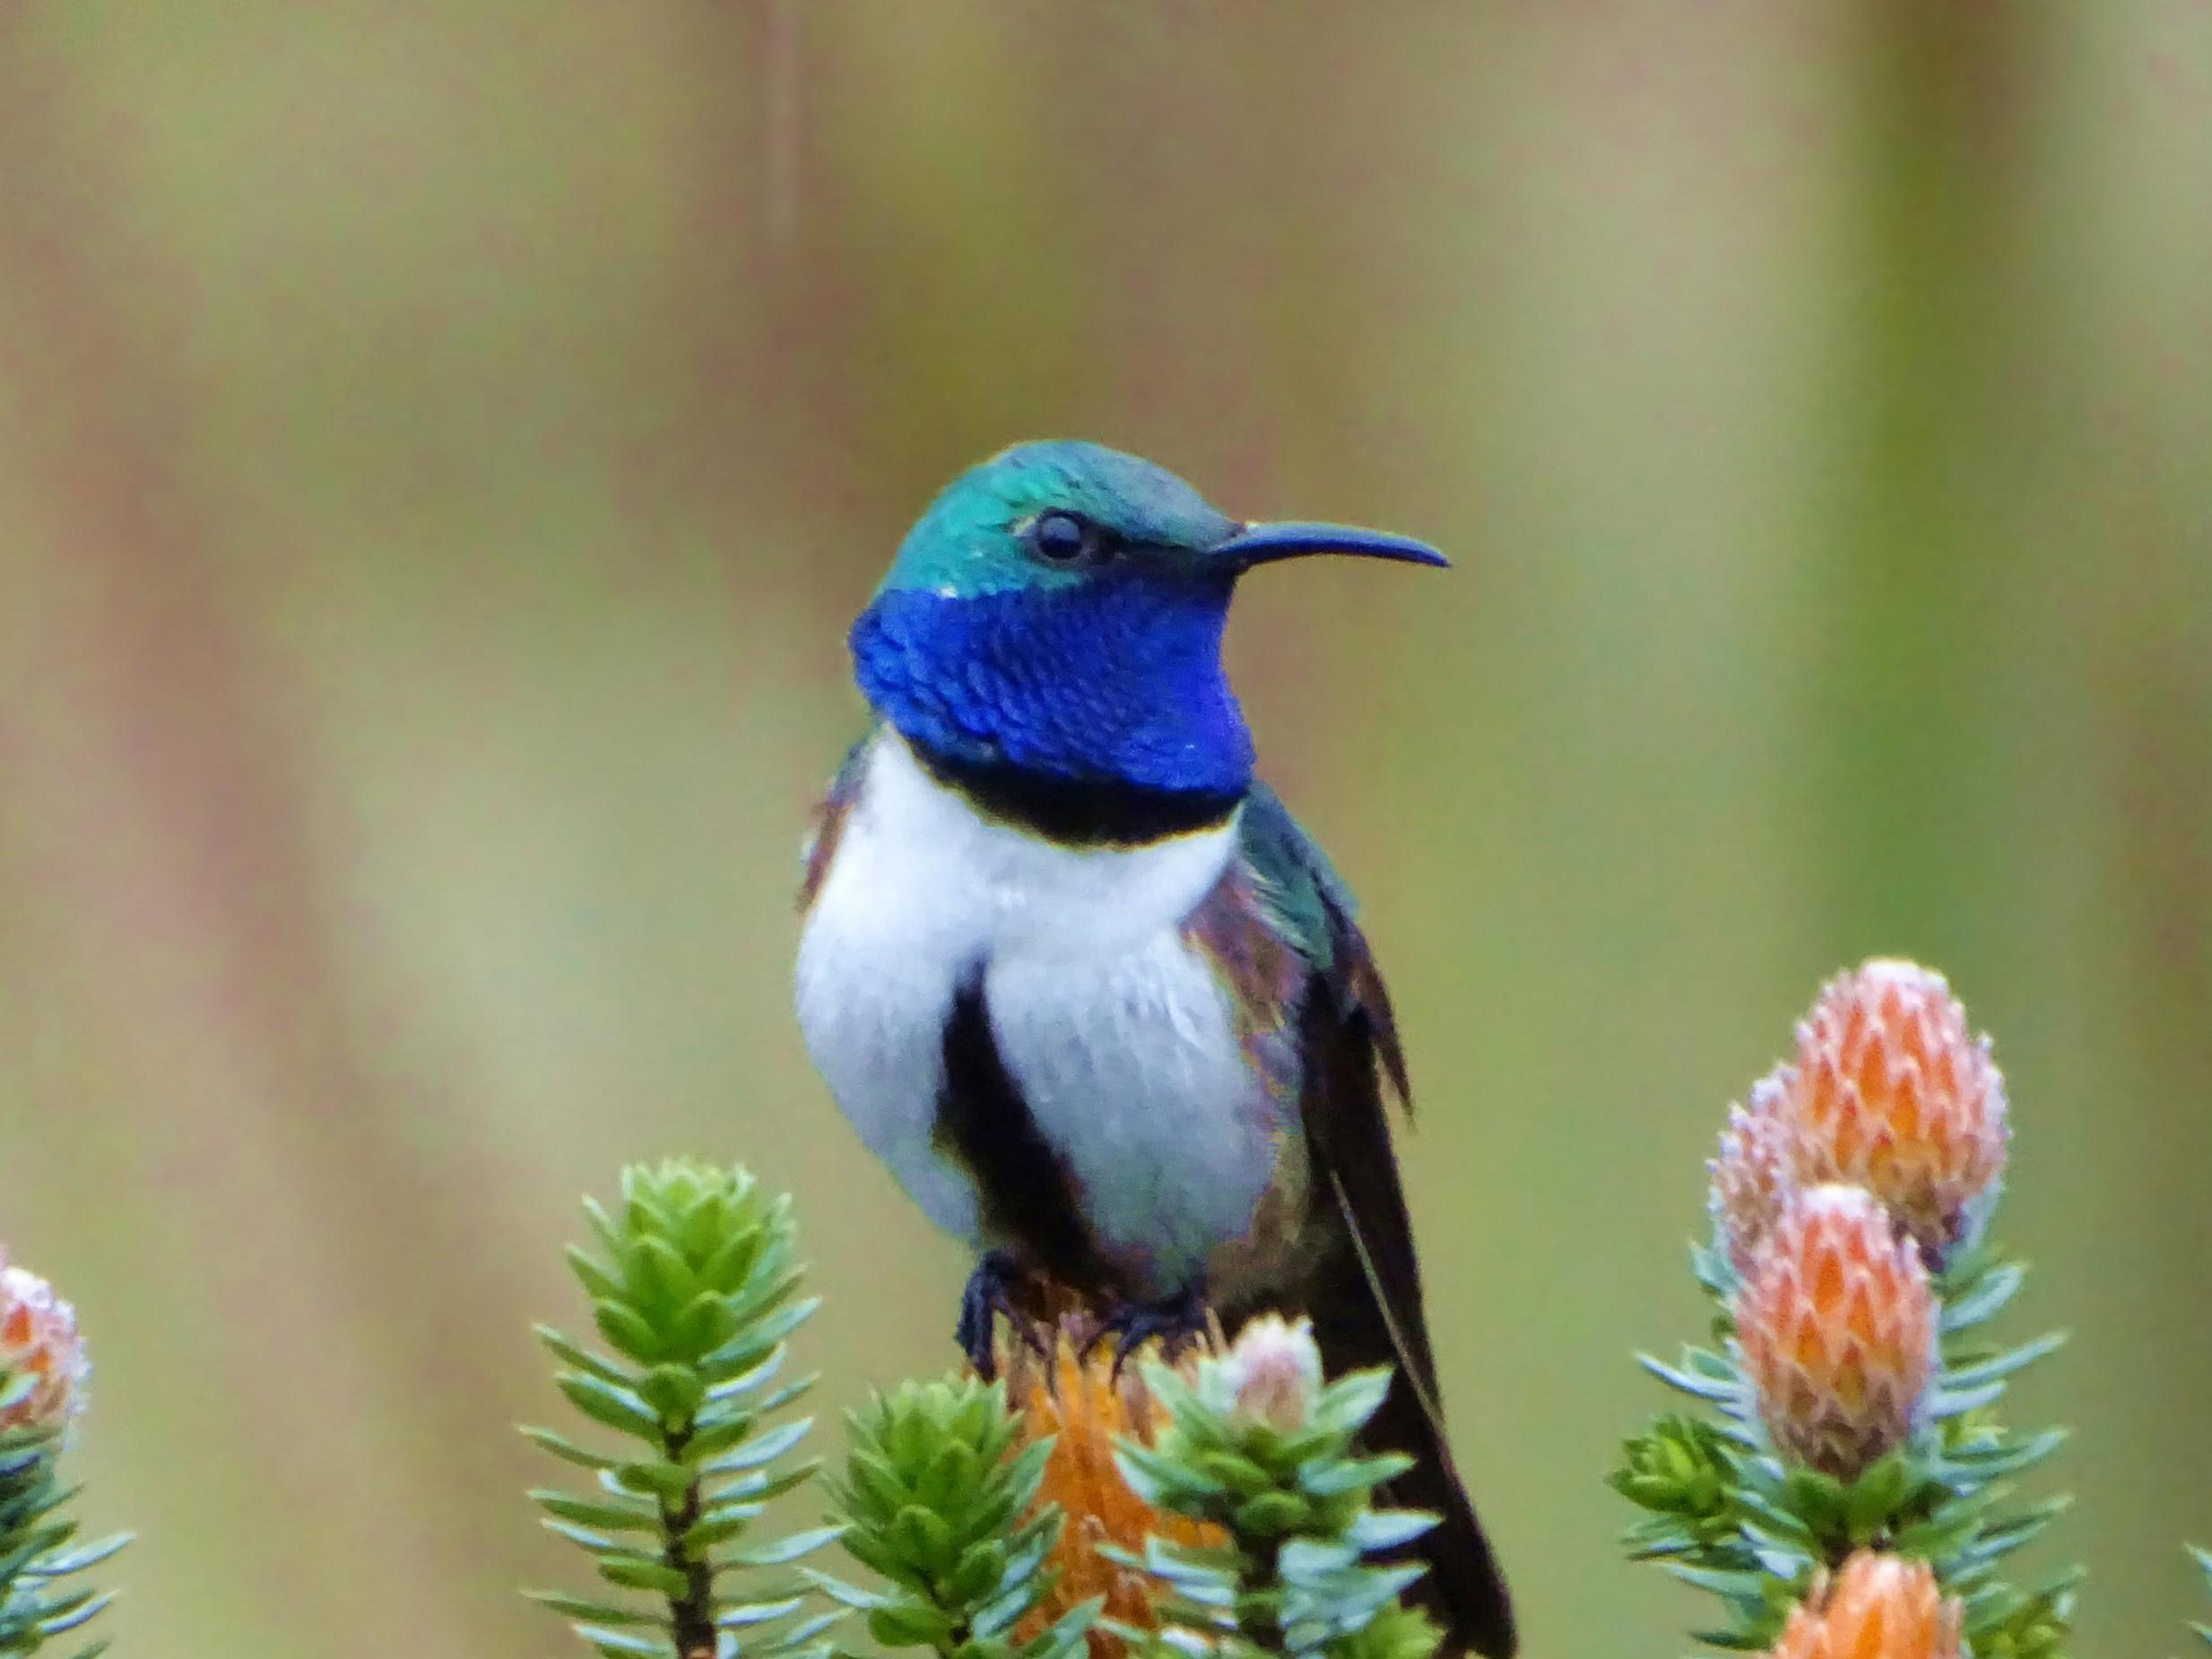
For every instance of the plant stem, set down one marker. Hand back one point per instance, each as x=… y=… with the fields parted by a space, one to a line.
x=691 y=1615
x=1259 y=1611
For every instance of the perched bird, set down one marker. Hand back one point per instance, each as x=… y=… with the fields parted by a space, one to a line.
x=1082 y=982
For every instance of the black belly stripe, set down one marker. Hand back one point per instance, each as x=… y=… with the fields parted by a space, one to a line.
x=1077 y=811
x=1028 y=1195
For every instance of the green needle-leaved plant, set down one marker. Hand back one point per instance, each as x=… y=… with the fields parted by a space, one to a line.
x=693 y=1285
x=44 y=1597
x=1856 y=1391
x=1257 y=1444
x=938 y=1499
x=2204 y=1559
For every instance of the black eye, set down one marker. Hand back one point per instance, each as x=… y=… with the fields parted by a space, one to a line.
x=1065 y=539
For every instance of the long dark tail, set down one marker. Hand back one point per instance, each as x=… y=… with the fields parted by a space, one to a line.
x=1463 y=1588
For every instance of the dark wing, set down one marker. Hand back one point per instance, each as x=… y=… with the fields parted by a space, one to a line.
x=1347 y=1031
x=1363 y=1293
x=829 y=815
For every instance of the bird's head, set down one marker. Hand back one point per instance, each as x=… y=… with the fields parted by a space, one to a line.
x=1058 y=610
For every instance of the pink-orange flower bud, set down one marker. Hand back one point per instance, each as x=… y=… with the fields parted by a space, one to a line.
x=1877 y=1607
x=1837 y=1324
x=1890 y=1091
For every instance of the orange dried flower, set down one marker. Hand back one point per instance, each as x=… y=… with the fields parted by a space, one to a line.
x=1750 y=1173
x=1836 y=1324
x=1072 y=1396
x=1877 y=1607
x=1892 y=1092
x=38 y=1340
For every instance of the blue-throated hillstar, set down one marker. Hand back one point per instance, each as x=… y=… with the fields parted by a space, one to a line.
x=1082 y=982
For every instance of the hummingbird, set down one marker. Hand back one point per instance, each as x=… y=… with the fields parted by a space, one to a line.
x=1079 y=978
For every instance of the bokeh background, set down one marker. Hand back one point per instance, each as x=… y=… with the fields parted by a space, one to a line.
x=440 y=448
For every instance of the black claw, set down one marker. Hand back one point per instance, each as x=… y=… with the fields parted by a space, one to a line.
x=1175 y=1321
x=991 y=1290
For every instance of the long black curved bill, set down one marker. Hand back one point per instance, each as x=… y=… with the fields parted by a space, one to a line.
x=1262 y=543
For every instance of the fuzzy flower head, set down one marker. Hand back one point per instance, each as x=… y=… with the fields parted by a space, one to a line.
x=43 y=1370
x=1892 y=1092
x=1877 y=1607
x=1072 y=1397
x=1837 y=1326
x=1751 y=1171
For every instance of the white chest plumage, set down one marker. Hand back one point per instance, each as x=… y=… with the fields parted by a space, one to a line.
x=1119 y=1036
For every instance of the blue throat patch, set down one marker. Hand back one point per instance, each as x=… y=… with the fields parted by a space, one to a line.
x=1115 y=683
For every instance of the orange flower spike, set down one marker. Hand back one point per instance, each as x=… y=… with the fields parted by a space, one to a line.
x=38 y=1340
x=1836 y=1324
x=1075 y=1399
x=1877 y=1607
x=1891 y=1091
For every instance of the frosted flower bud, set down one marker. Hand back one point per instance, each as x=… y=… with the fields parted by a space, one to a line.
x=1274 y=1372
x=38 y=1342
x=1750 y=1173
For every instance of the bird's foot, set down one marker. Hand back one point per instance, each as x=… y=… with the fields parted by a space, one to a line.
x=1175 y=1321
x=993 y=1289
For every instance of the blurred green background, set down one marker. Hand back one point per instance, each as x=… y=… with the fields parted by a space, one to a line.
x=440 y=448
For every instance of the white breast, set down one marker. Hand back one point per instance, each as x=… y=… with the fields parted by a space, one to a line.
x=1118 y=1034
